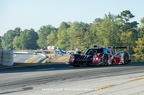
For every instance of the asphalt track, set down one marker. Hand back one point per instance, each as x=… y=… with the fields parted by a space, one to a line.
x=60 y=79
x=22 y=58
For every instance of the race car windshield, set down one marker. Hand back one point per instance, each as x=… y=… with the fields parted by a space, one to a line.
x=93 y=51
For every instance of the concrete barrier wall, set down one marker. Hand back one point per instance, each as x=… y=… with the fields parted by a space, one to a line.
x=6 y=57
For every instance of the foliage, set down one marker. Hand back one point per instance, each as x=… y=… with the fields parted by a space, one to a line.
x=111 y=30
x=139 y=49
x=52 y=38
x=43 y=32
x=62 y=36
x=7 y=39
x=17 y=43
x=28 y=39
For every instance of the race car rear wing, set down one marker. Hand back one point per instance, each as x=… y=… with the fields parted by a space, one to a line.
x=122 y=47
x=119 y=47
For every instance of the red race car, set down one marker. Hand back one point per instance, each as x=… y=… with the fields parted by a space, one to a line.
x=99 y=55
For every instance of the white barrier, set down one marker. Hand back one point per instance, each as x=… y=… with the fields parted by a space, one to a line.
x=23 y=52
x=20 y=52
x=7 y=58
x=44 y=57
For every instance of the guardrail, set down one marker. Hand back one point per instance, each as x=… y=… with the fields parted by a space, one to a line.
x=41 y=59
x=23 y=52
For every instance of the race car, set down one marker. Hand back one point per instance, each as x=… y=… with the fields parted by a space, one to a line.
x=99 y=55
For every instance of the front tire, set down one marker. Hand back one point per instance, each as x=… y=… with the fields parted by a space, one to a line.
x=105 y=59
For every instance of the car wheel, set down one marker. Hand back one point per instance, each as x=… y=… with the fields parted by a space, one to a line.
x=105 y=59
x=125 y=58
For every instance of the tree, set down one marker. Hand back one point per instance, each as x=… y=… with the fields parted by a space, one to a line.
x=141 y=29
x=52 y=38
x=107 y=31
x=63 y=40
x=28 y=39
x=63 y=26
x=111 y=30
x=125 y=38
x=17 y=31
x=76 y=34
x=7 y=39
x=62 y=36
x=17 y=43
x=139 y=50
x=87 y=41
x=125 y=16
x=127 y=26
x=43 y=32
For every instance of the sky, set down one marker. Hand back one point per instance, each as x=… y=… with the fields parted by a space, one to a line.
x=28 y=14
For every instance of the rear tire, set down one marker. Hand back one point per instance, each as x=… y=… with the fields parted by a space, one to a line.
x=126 y=58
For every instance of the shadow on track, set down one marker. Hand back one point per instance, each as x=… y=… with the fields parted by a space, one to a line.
x=61 y=66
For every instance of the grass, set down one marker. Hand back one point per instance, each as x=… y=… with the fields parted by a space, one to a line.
x=49 y=56
x=53 y=58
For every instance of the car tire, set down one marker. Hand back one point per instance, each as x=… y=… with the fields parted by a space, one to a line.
x=105 y=59
x=126 y=58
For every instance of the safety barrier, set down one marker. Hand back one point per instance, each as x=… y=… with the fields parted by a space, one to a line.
x=6 y=57
x=41 y=59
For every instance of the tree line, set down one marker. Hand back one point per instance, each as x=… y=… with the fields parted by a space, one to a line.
x=111 y=30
